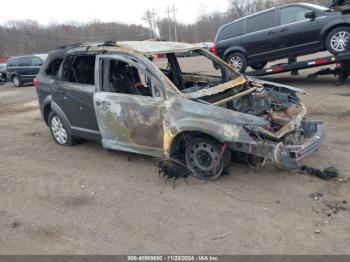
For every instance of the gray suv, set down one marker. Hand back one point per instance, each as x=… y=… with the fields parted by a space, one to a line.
x=142 y=97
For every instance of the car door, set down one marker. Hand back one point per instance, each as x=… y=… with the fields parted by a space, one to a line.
x=35 y=65
x=24 y=71
x=261 y=36
x=128 y=122
x=74 y=94
x=297 y=34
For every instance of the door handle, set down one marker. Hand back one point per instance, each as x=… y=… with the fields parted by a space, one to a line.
x=271 y=33
x=102 y=103
x=283 y=30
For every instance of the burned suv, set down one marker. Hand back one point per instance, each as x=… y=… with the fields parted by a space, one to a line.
x=142 y=97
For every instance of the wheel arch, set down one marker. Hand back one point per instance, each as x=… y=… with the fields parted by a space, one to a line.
x=46 y=109
x=326 y=31
x=234 y=49
x=57 y=110
x=176 y=142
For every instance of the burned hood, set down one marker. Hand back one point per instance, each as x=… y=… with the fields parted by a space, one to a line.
x=270 y=84
x=216 y=89
x=238 y=82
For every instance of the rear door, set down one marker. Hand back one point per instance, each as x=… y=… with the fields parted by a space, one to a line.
x=74 y=94
x=129 y=119
x=297 y=34
x=261 y=36
x=24 y=70
x=36 y=64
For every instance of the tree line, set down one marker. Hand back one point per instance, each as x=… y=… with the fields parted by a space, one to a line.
x=28 y=37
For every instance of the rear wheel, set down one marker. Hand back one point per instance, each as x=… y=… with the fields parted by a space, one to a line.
x=59 y=131
x=204 y=158
x=258 y=66
x=238 y=61
x=16 y=81
x=337 y=40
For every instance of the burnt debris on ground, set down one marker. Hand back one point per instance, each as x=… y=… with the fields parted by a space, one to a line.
x=330 y=172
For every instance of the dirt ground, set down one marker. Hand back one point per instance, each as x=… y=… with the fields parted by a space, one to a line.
x=86 y=200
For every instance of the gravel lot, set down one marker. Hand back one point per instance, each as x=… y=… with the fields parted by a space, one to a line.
x=86 y=200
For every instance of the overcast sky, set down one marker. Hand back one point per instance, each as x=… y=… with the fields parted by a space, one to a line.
x=126 y=11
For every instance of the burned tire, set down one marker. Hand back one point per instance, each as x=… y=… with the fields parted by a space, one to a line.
x=59 y=132
x=258 y=66
x=16 y=81
x=237 y=61
x=204 y=159
x=337 y=40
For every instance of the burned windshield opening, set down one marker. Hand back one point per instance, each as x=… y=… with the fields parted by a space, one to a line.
x=194 y=70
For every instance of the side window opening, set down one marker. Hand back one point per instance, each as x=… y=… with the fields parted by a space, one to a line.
x=293 y=14
x=53 y=67
x=261 y=21
x=13 y=62
x=122 y=77
x=25 y=61
x=36 y=62
x=79 y=69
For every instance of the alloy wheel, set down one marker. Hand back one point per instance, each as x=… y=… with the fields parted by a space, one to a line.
x=339 y=41
x=58 y=130
x=236 y=62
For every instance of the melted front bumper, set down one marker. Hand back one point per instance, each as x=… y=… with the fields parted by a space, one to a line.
x=289 y=156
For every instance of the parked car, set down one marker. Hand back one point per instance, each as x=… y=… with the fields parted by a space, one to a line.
x=23 y=69
x=282 y=32
x=2 y=73
x=195 y=109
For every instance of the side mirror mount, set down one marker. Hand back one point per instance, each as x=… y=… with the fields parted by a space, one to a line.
x=310 y=15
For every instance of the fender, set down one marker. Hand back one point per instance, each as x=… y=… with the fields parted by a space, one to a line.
x=55 y=108
x=233 y=49
x=183 y=115
x=344 y=21
x=47 y=101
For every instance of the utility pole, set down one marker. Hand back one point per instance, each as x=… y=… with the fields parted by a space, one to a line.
x=174 y=12
x=169 y=23
x=154 y=25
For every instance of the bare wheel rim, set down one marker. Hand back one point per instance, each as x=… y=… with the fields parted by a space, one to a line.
x=236 y=62
x=203 y=159
x=58 y=130
x=339 y=41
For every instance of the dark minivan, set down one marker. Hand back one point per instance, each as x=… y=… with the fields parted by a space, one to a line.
x=282 y=32
x=23 y=69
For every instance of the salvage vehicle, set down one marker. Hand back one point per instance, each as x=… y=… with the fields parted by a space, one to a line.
x=195 y=109
x=23 y=69
x=282 y=32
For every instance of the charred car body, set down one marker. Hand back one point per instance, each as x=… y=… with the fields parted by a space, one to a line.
x=197 y=109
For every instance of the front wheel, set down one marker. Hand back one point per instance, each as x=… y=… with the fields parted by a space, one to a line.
x=204 y=158
x=237 y=61
x=337 y=40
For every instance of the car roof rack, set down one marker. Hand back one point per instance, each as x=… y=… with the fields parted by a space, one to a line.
x=88 y=44
x=74 y=45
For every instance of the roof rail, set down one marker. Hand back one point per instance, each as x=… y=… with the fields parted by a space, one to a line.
x=75 y=45
x=108 y=43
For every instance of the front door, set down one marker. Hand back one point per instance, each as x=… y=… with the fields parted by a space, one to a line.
x=297 y=34
x=129 y=106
